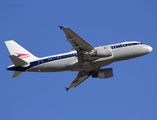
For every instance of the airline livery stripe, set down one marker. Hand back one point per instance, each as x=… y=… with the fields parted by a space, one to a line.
x=35 y=63
x=124 y=45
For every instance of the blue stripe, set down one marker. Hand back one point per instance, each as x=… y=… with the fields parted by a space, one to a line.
x=34 y=63
x=124 y=45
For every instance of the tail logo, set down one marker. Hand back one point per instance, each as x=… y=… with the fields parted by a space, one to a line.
x=22 y=56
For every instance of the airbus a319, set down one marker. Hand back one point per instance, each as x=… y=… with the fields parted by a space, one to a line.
x=85 y=58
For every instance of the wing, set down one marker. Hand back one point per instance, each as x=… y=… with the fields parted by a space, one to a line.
x=79 y=44
x=78 y=80
x=82 y=76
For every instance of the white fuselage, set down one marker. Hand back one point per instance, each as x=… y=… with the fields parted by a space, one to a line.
x=87 y=60
x=69 y=62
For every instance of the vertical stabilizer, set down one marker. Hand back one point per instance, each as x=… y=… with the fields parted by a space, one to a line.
x=17 y=50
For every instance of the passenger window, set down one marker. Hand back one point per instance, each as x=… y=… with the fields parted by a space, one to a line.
x=134 y=43
x=118 y=46
x=129 y=44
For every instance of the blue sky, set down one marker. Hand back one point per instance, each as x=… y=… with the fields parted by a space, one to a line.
x=130 y=95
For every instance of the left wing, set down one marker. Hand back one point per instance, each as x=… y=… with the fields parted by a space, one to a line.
x=82 y=76
x=78 y=43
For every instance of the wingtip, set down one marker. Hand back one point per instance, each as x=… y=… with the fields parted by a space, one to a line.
x=66 y=88
x=9 y=41
x=61 y=27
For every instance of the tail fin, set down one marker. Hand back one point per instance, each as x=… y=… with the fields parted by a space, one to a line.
x=17 y=50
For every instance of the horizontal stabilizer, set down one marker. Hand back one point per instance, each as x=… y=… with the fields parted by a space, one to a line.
x=16 y=73
x=17 y=61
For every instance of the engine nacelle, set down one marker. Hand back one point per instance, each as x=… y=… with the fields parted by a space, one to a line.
x=104 y=52
x=103 y=73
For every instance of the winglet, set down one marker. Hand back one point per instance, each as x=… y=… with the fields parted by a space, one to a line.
x=61 y=27
x=66 y=88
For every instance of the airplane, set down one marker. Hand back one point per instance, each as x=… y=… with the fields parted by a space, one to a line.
x=86 y=59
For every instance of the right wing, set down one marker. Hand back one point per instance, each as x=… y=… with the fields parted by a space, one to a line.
x=78 y=43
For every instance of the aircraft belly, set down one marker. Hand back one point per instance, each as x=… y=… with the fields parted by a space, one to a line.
x=90 y=65
x=79 y=66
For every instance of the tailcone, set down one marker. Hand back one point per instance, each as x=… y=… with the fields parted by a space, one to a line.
x=14 y=68
x=11 y=68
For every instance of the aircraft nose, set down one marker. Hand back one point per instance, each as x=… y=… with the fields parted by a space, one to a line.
x=150 y=48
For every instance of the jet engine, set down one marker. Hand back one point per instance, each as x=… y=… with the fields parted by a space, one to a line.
x=104 y=52
x=103 y=73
